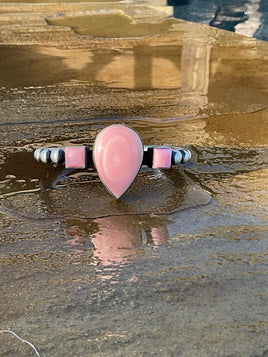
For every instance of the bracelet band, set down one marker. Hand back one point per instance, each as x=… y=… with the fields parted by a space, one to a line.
x=117 y=154
x=81 y=157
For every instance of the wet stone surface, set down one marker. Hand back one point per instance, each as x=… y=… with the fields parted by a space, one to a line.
x=178 y=266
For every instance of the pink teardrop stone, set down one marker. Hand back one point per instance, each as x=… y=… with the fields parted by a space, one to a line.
x=117 y=155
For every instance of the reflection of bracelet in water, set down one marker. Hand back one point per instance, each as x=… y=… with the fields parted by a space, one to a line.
x=118 y=154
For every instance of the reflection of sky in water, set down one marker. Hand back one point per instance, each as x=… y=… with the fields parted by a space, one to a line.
x=249 y=18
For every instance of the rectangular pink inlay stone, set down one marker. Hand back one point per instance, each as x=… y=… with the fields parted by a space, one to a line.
x=162 y=158
x=75 y=157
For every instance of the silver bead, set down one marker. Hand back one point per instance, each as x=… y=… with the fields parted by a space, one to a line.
x=186 y=155
x=45 y=155
x=177 y=157
x=57 y=156
x=37 y=154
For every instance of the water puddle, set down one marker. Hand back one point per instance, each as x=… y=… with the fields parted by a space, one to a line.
x=248 y=18
x=109 y=23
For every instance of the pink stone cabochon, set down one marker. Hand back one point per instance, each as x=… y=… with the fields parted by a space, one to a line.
x=117 y=155
x=75 y=157
x=162 y=158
